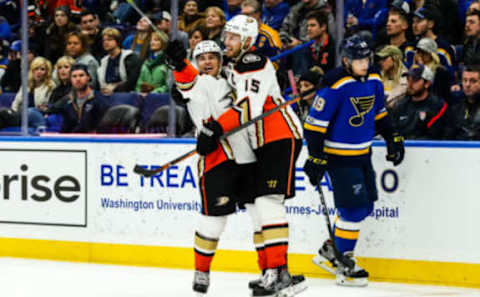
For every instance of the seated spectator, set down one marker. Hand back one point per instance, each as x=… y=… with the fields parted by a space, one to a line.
x=154 y=73
x=322 y=52
x=274 y=12
x=196 y=35
x=393 y=74
x=397 y=27
x=163 y=21
x=40 y=88
x=56 y=33
x=294 y=28
x=467 y=112
x=120 y=68
x=308 y=81
x=139 y=42
x=62 y=68
x=85 y=107
x=90 y=26
x=12 y=79
x=268 y=41
x=214 y=22
x=233 y=8
x=423 y=25
x=190 y=17
x=471 y=48
x=77 y=48
x=361 y=15
x=426 y=54
x=420 y=114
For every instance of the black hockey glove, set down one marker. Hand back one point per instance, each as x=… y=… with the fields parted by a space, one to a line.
x=176 y=54
x=207 y=140
x=315 y=169
x=178 y=97
x=395 y=149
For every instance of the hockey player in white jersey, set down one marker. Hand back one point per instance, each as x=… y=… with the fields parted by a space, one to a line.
x=225 y=178
x=276 y=141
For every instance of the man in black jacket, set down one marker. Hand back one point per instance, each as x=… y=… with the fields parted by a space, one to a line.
x=420 y=114
x=85 y=107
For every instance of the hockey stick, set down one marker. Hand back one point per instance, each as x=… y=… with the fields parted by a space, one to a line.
x=140 y=12
x=344 y=260
x=151 y=172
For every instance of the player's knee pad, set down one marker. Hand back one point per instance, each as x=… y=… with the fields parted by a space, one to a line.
x=211 y=227
x=252 y=212
x=270 y=209
x=355 y=214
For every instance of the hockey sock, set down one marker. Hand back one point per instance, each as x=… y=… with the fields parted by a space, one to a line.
x=206 y=240
x=347 y=226
x=204 y=251
x=259 y=242
x=271 y=211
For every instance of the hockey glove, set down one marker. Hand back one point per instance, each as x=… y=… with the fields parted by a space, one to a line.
x=178 y=97
x=315 y=169
x=207 y=140
x=395 y=149
x=176 y=54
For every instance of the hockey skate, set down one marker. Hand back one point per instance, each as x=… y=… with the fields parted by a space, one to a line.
x=325 y=258
x=276 y=282
x=298 y=283
x=351 y=277
x=201 y=281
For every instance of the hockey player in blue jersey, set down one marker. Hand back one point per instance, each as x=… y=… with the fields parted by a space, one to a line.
x=339 y=129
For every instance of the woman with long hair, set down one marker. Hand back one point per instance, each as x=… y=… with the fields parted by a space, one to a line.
x=392 y=73
x=190 y=16
x=139 y=42
x=215 y=22
x=56 y=33
x=195 y=35
x=77 y=48
x=62 y=68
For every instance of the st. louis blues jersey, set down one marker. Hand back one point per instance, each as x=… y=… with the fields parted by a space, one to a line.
x=343 y=114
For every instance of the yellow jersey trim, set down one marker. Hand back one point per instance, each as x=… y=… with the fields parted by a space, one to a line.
x=315 y=128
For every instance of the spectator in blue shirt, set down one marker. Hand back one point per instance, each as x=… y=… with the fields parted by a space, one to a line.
x=273 y=13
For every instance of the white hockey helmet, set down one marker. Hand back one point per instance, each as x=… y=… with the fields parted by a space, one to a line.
x=206 y=46
x=245 y=26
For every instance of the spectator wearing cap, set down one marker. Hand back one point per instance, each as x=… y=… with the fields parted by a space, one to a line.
x=12 y=79
x=321 y=53
x=120 y=68
x=215 y=21
x=154 y=73
x=56 y=33
x=471 y=48
x=163 y=21
x=190 y=17
x=423 y=25
x=85 y=107
x=426 y=54
x=467 y=111
x=294 y=28
x=393 y=74
x=396 y=29
x=139 y=41
x=309 y=82
x=420 y=114
x=268 y=41
x=274 y=12
x=90 y=26
x=77 y=48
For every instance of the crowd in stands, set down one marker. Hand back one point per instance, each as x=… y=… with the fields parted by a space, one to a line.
x=427 y=53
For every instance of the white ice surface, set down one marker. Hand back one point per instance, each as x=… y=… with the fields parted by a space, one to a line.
x=37 y=278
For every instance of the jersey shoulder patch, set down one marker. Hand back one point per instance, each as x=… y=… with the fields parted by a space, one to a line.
x=251 y=62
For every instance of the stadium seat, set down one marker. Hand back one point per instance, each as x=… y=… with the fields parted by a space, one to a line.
x=151 y=102
x=6 y=99
x=158 y=122
x=119 y=119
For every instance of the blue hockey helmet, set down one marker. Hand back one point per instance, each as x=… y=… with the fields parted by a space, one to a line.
x=354 y=47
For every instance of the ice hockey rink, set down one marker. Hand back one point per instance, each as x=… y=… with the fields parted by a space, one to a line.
x=40 y=278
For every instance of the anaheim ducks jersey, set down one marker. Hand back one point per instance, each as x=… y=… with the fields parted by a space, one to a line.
x=345 y=112
x=209 y=98
x=257 y=89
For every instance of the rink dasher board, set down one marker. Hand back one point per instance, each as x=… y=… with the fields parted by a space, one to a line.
x=77 y=199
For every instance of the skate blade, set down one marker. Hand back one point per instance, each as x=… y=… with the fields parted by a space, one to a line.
x=299 y=288
x=352 y=282
x=324 y=264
